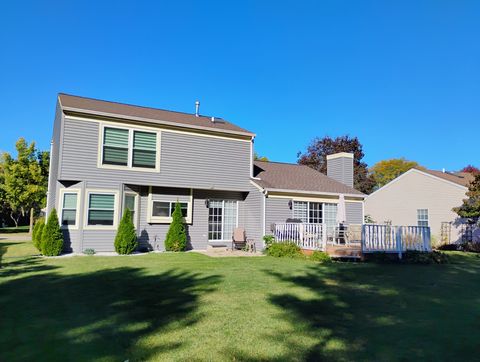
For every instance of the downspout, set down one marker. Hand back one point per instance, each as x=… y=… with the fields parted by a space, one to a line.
x=49 y=178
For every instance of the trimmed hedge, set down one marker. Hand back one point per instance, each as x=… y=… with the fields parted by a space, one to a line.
x=126 y=238
x=176 y=239
x=37 y=233
x=52 y=236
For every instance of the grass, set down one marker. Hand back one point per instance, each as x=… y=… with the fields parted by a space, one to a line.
x=192 y=307
x=15 y=230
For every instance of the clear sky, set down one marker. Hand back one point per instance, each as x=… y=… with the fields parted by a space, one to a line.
x=403 y=76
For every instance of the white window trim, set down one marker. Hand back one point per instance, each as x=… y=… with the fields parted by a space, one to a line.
x=223 y=229
x=427 y=219
x=64 y=191
x=130 y=167
x=115 y=209
x=135 y=210
x=164 y=219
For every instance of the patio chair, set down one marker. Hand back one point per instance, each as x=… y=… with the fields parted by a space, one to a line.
x=239 y=238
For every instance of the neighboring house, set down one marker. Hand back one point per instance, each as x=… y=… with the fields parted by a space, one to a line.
x=423 y=198
x=108 y=156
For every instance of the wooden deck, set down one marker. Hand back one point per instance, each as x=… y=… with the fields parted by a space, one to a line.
x=344 y=251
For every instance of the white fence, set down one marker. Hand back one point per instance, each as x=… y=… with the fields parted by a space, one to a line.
x=306 y=236
x=395 y=239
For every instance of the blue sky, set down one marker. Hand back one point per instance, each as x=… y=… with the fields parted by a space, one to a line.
x=402 y=76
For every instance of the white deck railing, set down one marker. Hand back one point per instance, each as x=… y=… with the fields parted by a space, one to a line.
x=395 y=239
x=374 y=238
x=306 y=236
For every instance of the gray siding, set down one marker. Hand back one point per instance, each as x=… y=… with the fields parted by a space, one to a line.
x=277 y=210
x=354 y=211
x=253 y=216
x=54 y=159
x=341 y=170
x=185 y=161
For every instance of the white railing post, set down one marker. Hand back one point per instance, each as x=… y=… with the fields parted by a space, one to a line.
x=324 y=237
x=399 y=242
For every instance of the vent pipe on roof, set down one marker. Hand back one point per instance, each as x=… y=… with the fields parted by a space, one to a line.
x=213 y=119
x=197 y=108
x=443 y=170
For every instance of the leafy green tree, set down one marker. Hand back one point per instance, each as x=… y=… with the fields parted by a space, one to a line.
x=126 y=238
x=470 y=209
x=257 y=157
x=24 y=183
x=52 y=236
x=387 y=170
x=176 y=239
x=318 y=150
x=37 y=233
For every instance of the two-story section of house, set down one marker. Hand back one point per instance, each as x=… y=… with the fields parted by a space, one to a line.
x=106 y=157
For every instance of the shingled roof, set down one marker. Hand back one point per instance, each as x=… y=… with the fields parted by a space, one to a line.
x=460 y=178
x=76 y=104
x=288 y=176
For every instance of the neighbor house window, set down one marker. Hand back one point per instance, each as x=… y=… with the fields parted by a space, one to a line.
x=222 y=219
x=422 y=217
x=101 y=209
x=308 y=212
x=130 y=148
x=115 y=146
x=69 y=209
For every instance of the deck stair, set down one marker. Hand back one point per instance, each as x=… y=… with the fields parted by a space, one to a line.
x=344 y=251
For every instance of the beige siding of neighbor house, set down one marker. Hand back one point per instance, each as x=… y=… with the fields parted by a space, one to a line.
x=399 y=201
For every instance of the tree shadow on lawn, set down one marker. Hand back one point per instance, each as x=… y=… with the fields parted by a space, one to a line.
x=378 y=312
x=101 y=315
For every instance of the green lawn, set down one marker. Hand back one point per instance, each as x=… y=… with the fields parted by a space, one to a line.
x=192 y=307
x=14 y=230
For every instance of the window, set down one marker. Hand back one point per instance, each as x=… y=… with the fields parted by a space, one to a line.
x=422 y=217
x=166 y=208
x=222 y=219
x=115 y=146
x=130 y=203
x=308 y=212
x=69 y=209
x=330 y=217
x=144 y=149
x=129 y=148
x=101 y=209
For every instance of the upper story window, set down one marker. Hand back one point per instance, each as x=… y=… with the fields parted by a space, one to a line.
x=422 y=217
x=129 y=148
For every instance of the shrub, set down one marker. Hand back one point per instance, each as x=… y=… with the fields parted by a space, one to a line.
x=471 y=247
x=287 y=249
x=89 y=251
x=52 y=236
x=420 y=257
x=37 y=233
x=321 y=257
x=268 y=239
x=176 y=239
x=126 y=238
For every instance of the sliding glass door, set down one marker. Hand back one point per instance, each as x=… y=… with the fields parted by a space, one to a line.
x=222 y=219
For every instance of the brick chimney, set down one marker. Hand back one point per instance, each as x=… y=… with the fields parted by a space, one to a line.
x=340 y=167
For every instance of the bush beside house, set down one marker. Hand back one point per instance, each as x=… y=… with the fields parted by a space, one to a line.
x=126 y=238
x=37 y=233
x=52 y=236
x=176 y=239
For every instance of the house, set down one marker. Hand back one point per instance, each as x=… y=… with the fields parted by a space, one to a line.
x=423 y=198
x=108 y=156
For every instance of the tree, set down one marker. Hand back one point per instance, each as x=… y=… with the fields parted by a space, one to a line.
x=256 y=157
x=52 y=236
x=24 y=183
x=316 y=158
x=37 y=233
x=126 y=238
x=470 y=209
x=176 y=239
x=470 y=169
x=385 y=171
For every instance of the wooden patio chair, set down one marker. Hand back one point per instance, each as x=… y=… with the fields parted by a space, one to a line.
x=239 y=238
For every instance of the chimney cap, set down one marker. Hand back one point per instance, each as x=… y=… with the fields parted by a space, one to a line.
x=340 y=154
